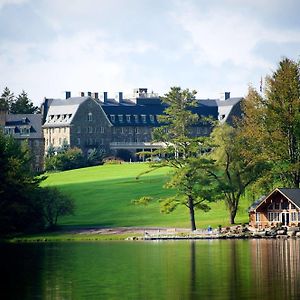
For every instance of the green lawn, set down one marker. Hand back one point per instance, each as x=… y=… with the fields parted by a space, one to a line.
x=103 y=196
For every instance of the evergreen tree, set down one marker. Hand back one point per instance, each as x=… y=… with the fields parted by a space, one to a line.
x=23 y=105
x=6 y=99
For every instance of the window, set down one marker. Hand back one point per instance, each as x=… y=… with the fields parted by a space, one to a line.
x=293 y=216
x=136 y=118
x=257 y=217
x=78 y=129
x=143 y=118
x=101 y=129
x=122 y=130
x=293 y=206
x=270 y=216
x=90 y=117
x=152 y=118
x=25 y=131
x=284 y=205
x=78 y=141
x=128 y=119
x=137 y=130
x=276 y=217
x=101 y=141
x=90 y=129
x=90 y=141
x=130 y=130
x=112 y=118
x=276 y=205
x=120 y=118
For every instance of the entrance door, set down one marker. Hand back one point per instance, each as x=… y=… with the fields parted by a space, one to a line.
x=285 y=218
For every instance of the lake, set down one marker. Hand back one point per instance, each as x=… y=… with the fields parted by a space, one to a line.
x=203 y=269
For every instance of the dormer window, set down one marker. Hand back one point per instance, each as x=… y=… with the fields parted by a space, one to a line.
x=90 y=117
x=136 y=118
x=128 y=119
x=120 y=118
x=143 y=118
x=152 y=118
x=112 y=118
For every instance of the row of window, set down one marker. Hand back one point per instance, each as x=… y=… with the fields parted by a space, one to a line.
x=282 y=205
x=130 y=130
x=59 y=129
x=130 y=118
x=52 y=141
x=91 y=142
x=91 y=129
x=21 y=130
x=275 y=216
x=59 y=118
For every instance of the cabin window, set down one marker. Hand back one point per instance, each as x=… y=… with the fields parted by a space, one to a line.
x=293 y=206
x=136 y=118
x=128 y=120
x=276 y=217
x=112 y=118
x=271 y=206
x=137 y=130
x=276 y=205
x=101 y=129
x=143 y=118
x=120 y=118
x=284 y=205
x=90 y=129
x=293 y=216
x=90 y=117
x=257 y=217
x=271 y=216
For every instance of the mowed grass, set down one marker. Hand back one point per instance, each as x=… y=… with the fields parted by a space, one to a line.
x=103 y=196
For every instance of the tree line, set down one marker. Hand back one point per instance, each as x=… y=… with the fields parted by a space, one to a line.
x=259 y=152
x=17 y=105
x=24 y=204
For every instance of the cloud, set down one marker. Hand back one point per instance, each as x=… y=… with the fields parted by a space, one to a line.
x=218 y=36
x=10 y=2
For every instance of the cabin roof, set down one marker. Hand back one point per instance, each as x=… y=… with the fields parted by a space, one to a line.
x=291 y=194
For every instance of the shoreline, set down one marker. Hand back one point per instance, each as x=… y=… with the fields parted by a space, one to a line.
x=142 y=234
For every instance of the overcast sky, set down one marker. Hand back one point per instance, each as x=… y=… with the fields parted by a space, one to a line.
x=50 y=46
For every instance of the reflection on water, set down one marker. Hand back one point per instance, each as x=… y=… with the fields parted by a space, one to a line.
x=233 y=269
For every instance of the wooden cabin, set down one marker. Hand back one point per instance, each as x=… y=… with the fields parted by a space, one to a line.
x=281 y=206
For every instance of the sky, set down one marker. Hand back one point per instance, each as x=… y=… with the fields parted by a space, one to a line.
x=48 y=47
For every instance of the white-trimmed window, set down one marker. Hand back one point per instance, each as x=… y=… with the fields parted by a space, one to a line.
x=120 y=118
x=152 y=118
x=136 y=118
x=90 y=117
x=112 y=118
x=128 y=118
x=143 y=118
x=293 y=216
x=257 y=217
x=101 y=129
x=90 y=129
x=137 y=130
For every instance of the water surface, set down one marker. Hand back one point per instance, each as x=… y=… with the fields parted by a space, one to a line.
x=217 y=269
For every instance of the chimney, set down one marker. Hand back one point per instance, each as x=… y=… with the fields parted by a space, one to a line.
x=3 y=115
x=89 y=94
x=95 y=96
x=224 y=96
x=68 y=94
x=105 y=97
x=81 y=94
x=120 y=97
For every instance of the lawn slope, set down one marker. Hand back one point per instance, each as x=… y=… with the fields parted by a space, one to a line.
x=103 y=197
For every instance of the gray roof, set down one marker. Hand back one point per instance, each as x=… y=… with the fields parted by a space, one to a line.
x=292 y=194
x=32 y=120
x=62 y=111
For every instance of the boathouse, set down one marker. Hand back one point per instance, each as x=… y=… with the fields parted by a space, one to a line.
x=281 y=206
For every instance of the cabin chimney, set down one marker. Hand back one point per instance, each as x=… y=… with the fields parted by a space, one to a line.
x=89 y=94
x=224 y=96
x=105 y=97
x=68 y=94
x=81 y=94
x=120 y=97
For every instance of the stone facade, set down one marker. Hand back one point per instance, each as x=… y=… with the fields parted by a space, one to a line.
x=77 y=122
x=26 y=128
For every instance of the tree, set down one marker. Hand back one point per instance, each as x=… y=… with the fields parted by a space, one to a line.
x=232 y=171
x=20 y=209
x=23 y=105
x=271 y=124
x=55 y=204
x=6 y=99
x=185 y=154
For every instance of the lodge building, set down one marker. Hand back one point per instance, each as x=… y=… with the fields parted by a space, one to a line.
x=114 y=124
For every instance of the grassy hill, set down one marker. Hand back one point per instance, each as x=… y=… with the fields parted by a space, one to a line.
x=103 y=196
